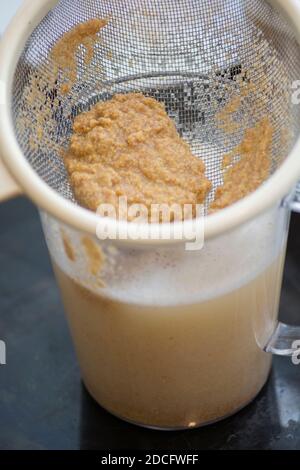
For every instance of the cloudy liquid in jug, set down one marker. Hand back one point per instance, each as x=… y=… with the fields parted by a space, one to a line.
x=176 y=366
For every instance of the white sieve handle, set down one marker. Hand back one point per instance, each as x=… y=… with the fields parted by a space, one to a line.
x=8 y=187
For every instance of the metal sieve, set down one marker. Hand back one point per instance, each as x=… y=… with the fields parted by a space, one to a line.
x=194 y=56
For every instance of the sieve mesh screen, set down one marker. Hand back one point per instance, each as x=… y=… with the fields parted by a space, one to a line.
x=194 y=56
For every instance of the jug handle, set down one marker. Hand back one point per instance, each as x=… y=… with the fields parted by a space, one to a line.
x=8 y=187
x=285 y=341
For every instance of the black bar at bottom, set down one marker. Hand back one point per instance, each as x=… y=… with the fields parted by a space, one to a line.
x=134 y=459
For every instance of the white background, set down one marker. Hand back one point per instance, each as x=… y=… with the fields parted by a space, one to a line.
x=8 y=9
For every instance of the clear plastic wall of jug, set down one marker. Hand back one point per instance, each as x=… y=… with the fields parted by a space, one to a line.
x=168 y=338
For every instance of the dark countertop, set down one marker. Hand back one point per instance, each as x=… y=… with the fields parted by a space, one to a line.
x=42 y=402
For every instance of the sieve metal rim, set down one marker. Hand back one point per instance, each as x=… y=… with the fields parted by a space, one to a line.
x=267 y=196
